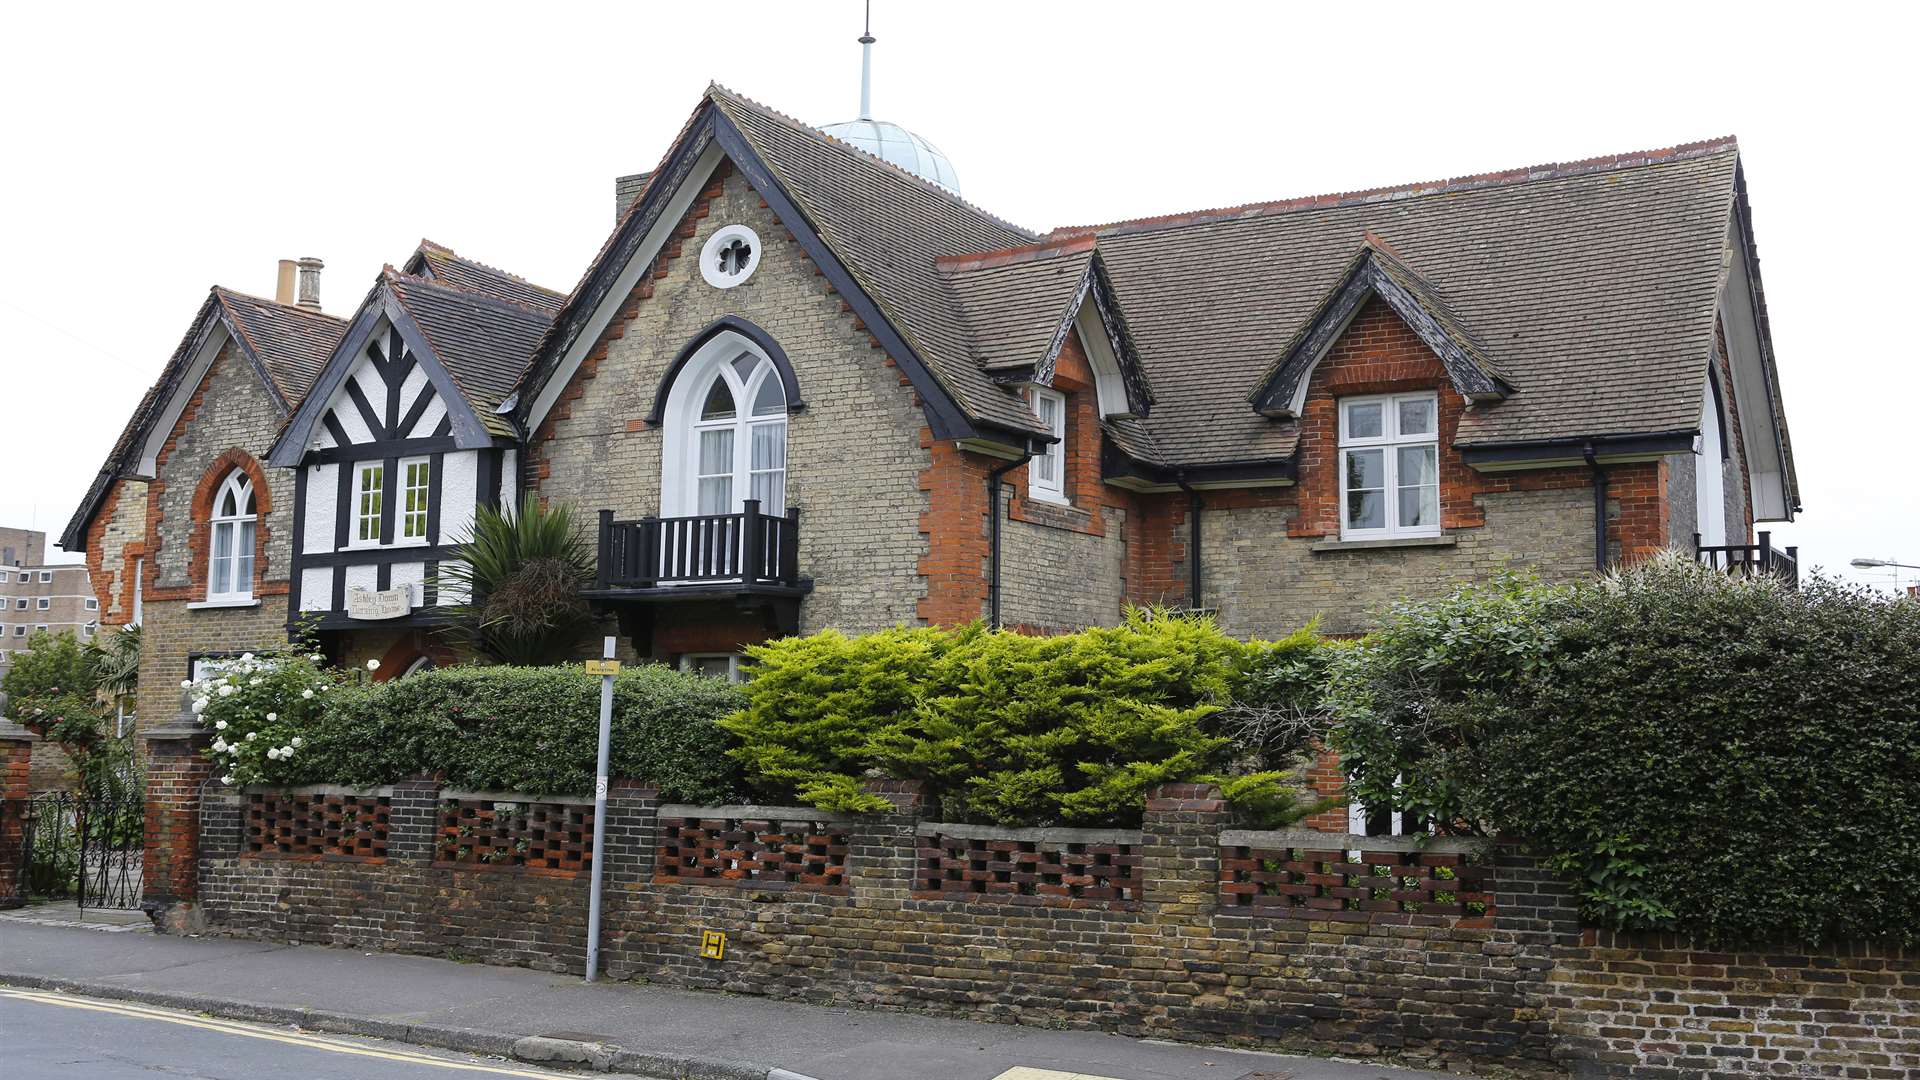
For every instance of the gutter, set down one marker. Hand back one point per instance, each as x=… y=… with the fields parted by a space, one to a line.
x=993 y=532
x=1599 y=508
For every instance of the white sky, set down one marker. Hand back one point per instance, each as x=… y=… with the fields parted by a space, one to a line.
x=153 y=150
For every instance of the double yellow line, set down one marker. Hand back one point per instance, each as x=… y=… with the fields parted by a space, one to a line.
x=256 y=1031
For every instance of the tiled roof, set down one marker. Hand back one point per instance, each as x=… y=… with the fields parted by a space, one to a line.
x=1017 y=308
x=485 y=342
x=889 y=226
x=436 y=262
x=1591 y=289
x=292 y=343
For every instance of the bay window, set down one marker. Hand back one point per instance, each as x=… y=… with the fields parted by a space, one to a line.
x=1390 y=466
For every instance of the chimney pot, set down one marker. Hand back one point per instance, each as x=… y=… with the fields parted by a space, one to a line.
x=283 y=284
x=310 y=282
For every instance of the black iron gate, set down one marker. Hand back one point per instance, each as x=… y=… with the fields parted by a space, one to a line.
x=85 y=846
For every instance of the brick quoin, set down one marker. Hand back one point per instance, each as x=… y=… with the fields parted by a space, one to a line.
x=955 y=525
x=176 y=773
x=16 y=763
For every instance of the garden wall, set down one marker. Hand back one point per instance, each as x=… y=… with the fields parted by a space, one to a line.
x=1185 y=928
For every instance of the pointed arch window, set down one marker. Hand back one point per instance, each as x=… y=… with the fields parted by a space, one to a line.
x=727 y=437
x=233 y=525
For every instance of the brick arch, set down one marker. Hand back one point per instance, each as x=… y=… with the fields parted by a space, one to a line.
x=200 y=531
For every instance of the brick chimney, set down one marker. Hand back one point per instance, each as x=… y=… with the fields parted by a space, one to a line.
x=310 y=282
x=625 y=190
x=283 y=284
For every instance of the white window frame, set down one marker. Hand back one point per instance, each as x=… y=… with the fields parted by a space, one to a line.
x=46 y=576
x=688 y=660
x=20 y=604
x=240 y=486
x=1047 y=470
x=680 y=459
x=20 y=630
x=93 y=603
x=357 y=522
x=1389 y=442
x=404 y=516
x=43 y=603
x=3 y=577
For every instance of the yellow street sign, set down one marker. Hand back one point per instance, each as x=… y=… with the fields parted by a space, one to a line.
x=603 y=667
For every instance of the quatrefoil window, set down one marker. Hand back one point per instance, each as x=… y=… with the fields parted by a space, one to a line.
x=730 y=256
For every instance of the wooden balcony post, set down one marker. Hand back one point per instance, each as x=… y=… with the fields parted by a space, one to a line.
x=604 y=563
x=647 y=568
x=1766 y=553
x=753 y=563
x=790 y=548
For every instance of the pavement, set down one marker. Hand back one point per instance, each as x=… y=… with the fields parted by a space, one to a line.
x=628 y=1027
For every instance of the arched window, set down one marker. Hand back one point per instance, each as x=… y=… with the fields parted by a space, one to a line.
x=726 y=432
x=230 y=575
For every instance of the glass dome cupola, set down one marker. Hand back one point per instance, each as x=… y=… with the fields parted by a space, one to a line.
x=888 y=141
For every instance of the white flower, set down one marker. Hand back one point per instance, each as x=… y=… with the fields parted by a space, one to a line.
x=200 y=705
x=286 y=752
x=306 y=693
x=272 y=716
x=273 y=755
x=186 y=684
x=226 y=691
x=246 y=657
x=219 y=725
x=317 y=658
x=226 y=779
x=252 y=735
x=219 y=746
x=299 y=742
x=373 y=665
x=253 y=682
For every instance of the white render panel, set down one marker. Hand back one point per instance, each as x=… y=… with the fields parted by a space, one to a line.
x=410 y=573
x=371 y=384
x=410 y=387
x=509 y=480
x=323 y=499
x=459 y=487
x=316 y=588
x=436 y=411
x=362 y=577
x=450 y=593
x=344 y=411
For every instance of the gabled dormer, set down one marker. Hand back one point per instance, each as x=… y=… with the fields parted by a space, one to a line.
x=399 y=441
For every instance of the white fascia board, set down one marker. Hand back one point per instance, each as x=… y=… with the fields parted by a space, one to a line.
x=1752 y=394
x=616 y=297
x=176 y=404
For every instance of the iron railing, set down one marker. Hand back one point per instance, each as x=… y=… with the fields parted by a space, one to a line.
x=748 y=547
x=1751 y=560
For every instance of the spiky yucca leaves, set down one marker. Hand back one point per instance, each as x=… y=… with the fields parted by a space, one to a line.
x=115 y=659
x=522 y=571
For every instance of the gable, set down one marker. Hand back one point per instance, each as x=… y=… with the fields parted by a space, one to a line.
x=386 y=397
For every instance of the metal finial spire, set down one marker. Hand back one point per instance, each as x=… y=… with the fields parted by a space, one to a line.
x=866 y=66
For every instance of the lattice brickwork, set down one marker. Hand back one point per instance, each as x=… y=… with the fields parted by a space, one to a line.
x=761 y=853
x=490 y=834
x=1062 y=873
x=1382 y=887
x=317 y=826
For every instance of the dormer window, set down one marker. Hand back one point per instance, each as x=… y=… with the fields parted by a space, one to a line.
x=729 y=256
x=1389 y=466
x=234 y=521
x=1047 y=472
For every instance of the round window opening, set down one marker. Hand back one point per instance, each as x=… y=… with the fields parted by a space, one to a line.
x=730 y=256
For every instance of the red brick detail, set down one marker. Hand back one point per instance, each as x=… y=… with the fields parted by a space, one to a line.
x=533 y=837
x=761 y=854
x=1018 y=871
x=1156 y=564
x=1326 y=779
x=1088 y=495
x=16 y=758
x=1406 y=888
x=200 y=531
x=97 y=573
x=1636 y=510
x=176 y=771
x=290 y=826
x=955 y=525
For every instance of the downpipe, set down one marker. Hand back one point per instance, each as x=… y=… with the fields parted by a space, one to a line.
x=993 y=533
x=1194 y=505
x=1599 y=509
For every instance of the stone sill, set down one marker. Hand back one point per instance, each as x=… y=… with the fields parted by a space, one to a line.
x=1326 y=546
x=210 y=605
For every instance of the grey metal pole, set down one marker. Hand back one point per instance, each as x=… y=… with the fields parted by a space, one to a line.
x=607 y=668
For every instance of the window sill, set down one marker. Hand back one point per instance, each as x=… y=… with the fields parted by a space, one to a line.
x=202 y=605
x=1326 y=546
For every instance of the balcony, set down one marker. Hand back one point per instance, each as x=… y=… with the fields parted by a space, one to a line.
x=1750 y=560
x=745 y=554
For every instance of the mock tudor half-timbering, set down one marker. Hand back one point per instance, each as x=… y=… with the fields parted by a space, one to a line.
x=803 y=387
x=401 y=439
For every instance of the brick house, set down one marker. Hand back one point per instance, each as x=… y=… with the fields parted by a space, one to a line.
x=797 y=377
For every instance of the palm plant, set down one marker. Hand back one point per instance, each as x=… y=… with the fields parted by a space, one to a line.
x=115 y=660
x=521 y=572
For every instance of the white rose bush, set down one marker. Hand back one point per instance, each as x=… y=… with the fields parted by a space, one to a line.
x=260 y=709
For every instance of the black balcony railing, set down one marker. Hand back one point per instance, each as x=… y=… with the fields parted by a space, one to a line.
x=1750 y=560
x=748 y=547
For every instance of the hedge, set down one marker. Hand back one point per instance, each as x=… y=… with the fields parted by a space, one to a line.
x=1730 y=759
x=532 y=730
x=1006 y=728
